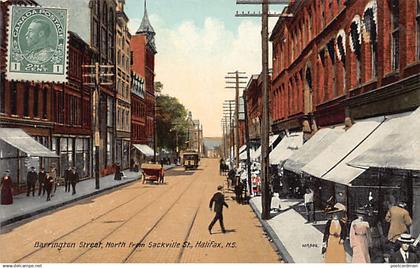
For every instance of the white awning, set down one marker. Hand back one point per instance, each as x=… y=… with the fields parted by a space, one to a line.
x=399 y=150
x=144 y=149
x=242 y=148
x=18 y=138
x=286 y=147
x=243 y=155
x=313 y=147
x=257 y=152
x=332 y=165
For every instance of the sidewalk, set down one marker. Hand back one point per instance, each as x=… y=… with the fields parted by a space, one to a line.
x=297 y=242
x=24 y=207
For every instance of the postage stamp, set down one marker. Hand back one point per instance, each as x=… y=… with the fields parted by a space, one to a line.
x=37 y=44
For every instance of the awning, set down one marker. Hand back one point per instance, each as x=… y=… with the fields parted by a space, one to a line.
x=332 y=165
x=313 y=147
x=243 y=155
x=18 y=138
x=144 y=149
x=399 y=150
x=257 y=152
x=286 y=147
x=242 y=148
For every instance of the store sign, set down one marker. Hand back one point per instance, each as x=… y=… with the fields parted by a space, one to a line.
x=37 y=44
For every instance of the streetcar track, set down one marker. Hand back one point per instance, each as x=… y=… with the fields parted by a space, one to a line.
x=130 y=218
x=85 y=224
x=157 y=222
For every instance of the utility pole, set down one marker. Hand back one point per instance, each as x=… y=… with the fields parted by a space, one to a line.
x=227 y=109
x=265 y=127
x=237 y=81
x=101 y=75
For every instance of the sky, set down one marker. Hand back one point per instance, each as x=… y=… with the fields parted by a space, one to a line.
x=198 y=43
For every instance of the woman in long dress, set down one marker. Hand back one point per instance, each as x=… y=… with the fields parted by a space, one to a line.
x=334 y=236
x=6 y=189
x=360 y=240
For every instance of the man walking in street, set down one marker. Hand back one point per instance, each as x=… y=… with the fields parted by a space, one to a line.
x=42 y=179
x=219 y=201
x=67 y=175
x=74 y=179
x=31 y=179
x=309 y=204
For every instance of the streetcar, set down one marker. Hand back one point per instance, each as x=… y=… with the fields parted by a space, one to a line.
x=190 y=160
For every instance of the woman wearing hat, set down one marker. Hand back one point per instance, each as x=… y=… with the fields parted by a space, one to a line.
x=334 y=236
x=360 y=239
x=6 y=189
x=404 y=255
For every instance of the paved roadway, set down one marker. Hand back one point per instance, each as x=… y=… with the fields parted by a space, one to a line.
x=143 y=223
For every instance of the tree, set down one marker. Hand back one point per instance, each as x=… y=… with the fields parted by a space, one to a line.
x=171 y=122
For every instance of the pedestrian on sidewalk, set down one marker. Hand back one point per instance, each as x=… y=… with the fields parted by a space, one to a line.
x=399 y=220
x=67 y=175
x=309 y=205
x=31 y=179
x=74 y=179
x=360 y=239
x=42 y=179
x=6 y=189
x=230 y=177
x=333 y=242
x=239 y=188
x=117 y=175
x=49 y=185
x=219 y=201
x=404 y=255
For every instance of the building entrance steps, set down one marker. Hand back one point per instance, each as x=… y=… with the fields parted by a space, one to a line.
x=24 y=207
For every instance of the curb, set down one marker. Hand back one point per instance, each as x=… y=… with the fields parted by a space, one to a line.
x=46 y=209
x=279 y=245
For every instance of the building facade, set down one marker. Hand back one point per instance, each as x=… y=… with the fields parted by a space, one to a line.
x=143 y=52
x=123 y=88
x=338 y=59
x=57 y=115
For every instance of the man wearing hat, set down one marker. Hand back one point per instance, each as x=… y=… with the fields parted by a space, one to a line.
x=31 y=179
x=219 y=201
x=399 y=220
x=404 y=255
x=74 y=179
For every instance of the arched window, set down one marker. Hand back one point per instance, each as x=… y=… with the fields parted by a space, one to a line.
x=356 y=45
x=370 y=32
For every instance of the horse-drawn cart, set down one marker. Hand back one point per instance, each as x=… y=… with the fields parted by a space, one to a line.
x=153 y=173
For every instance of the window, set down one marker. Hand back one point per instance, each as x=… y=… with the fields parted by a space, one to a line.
x=395 y=34
x=370 y=26
x=26 y=100
x=44 y=103
x=418 y=29
x=109 y=112
x=13 y=98
x=322 y=13
x=2 y=92
x=36 y=97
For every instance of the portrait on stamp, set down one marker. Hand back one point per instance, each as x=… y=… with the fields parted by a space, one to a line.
x=37 y=47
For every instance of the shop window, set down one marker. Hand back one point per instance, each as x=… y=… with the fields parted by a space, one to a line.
x=395 y=34
x=109 y=146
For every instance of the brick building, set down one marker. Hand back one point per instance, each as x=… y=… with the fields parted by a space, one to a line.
x=338 y=59
x=57 y=115
x=143 y=51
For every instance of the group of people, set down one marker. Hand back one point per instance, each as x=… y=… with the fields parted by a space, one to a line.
x=402 y=246
x=46 y=181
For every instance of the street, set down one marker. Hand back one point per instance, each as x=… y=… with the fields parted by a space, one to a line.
x=142 y=223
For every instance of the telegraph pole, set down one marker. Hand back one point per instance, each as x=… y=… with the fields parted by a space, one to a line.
x=101 y=74
x=227 y=109
x=237 y=81
x=265 y=127
x=248 y=143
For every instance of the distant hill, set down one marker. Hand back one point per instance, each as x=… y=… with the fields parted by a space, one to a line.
x=212 y=142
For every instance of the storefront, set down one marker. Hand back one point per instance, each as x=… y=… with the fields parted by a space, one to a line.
x=142 y=153
x=73 y=152
x=19 y=152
